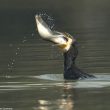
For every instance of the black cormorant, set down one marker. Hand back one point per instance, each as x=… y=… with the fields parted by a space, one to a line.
x=67 y=44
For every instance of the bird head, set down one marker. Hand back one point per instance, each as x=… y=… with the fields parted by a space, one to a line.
x=69 y=40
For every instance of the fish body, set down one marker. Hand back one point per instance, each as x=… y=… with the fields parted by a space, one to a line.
x=60 y=39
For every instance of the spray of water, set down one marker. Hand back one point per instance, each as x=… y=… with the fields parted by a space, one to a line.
x=48 y=19
x=16 y=54
x=13 y=59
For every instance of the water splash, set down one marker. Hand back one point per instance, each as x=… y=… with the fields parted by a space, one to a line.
x=17 y=52
x=48 y=19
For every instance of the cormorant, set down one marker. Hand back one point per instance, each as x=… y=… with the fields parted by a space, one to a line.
x=67 y=44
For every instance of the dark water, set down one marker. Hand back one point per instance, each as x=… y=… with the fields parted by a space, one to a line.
x=31 y=70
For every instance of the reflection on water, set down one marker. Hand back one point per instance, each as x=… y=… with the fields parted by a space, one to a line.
x=49 y=94
x=31 y=70
x=66 y=101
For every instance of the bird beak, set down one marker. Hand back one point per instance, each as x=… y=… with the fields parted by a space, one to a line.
x=62 y=46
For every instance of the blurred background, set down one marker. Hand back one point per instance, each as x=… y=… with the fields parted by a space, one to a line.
x=86 y=19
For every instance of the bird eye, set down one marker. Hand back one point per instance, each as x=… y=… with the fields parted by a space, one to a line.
x=65 y=38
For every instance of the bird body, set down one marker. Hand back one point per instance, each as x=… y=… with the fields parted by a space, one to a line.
x=66 y=43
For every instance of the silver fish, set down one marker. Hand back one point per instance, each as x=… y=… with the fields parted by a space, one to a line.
x=62 y=40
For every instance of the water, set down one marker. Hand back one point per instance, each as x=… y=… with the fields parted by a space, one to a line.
x=31 y=70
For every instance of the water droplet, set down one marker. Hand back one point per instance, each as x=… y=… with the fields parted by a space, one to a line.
x=18 y=48
x=7 y=76
x=32 y=34
x=12 y=63
x=9 y=68
x=13 y=60
x=24 y=41
x=10 y=45
x=16 y=53
x=8 y=65
x=24 y=37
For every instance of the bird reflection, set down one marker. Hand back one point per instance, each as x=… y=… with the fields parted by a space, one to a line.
x=65 y=102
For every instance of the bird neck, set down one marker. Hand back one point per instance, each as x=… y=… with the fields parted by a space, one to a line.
x=69 y=57
x=65 y=47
